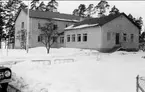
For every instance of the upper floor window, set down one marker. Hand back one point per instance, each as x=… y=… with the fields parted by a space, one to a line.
x=79 y=37
x=73 y=38
x=22 y=25
x=68 y=38
x=124 y=36
x=108 y=35
x=132 y=37
x=85 y=37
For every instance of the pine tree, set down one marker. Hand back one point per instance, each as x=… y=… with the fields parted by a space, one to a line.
x=89 y=10
x=34 y=5
x=80 y=11
x=52 y=6
x=101 y=7
x=114 y=10
x=11 y=9
x=1 y=22
x=42 y=7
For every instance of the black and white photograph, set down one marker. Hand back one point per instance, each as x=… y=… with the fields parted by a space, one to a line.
x=72 y=46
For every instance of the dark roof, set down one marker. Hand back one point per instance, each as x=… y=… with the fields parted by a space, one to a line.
x=102 y=20
x=51 y=15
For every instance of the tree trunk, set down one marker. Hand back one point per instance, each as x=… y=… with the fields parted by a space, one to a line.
x=48 y=49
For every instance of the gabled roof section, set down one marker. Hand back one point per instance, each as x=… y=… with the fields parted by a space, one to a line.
x=50 y=15
x=53 y=15
x=98 y=21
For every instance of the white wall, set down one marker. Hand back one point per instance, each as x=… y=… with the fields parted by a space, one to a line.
x=121 y=25
x=21 y=18
x=93 y=38
x=35 y=31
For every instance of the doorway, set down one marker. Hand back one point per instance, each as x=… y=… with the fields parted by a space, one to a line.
x=117 y=38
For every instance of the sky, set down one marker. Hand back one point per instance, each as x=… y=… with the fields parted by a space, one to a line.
x=136 y=8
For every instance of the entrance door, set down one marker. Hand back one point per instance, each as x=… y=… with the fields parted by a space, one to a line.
x=117 y=38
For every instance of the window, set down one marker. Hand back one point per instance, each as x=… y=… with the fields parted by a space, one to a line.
x=85 y=37
x=54 y=39
x=124 y=36
x=108 y=36
x=40 y=38
x=79 y=37
x=73 y=38
x=61 y=39
x=68 y=38
x=39 y=26
x=22 y=25
x=132 y=37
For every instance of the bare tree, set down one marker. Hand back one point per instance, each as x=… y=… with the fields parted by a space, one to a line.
x=49 y=34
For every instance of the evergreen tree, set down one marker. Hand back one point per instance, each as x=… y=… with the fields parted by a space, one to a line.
x=42 y=7
x=89 y=10
x=80 y=11
x=11 y=9
x=101 y=7
x=114 y=10
x=76 y=12
x=1 y=22
x=34 y=5
x=52 y=6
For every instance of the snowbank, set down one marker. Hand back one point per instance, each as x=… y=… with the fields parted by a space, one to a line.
x=89 y=71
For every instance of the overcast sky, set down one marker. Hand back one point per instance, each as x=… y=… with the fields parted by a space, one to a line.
x=136 y=8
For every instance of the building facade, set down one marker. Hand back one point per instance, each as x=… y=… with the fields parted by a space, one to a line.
x=37 y=19
x=103 y=33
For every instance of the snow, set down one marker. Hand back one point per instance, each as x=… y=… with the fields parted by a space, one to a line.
x=65 y=19
x=81 y=26
x=74 y=70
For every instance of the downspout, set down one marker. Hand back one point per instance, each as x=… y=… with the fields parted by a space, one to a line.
x=100 y=45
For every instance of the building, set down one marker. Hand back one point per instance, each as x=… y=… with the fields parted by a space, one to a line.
x=37 y=18
x=103 y=34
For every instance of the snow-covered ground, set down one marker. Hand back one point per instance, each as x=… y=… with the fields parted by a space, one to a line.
x=74 y=70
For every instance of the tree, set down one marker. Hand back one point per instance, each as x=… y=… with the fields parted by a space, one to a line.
x=11 y=10
x=80 y=11
x=49 y=34
x=34 y=4
x=114 y=10
x=89 y=10
x=101 y=7
x=76 y=12
x=42 y=7
x=1 y=22
x=52 y=6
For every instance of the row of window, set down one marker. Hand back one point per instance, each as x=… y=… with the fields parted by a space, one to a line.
x=77 y=37
x=124 y=36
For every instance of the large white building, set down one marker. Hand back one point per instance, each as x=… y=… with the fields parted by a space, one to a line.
x=104 y=34
x=37 y=18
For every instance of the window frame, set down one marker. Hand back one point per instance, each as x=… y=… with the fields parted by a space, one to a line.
x=85 y=37
x=78 y=37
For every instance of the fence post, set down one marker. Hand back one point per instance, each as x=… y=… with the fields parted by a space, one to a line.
x=137 y=83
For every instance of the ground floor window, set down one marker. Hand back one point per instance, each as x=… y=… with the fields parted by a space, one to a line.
x=61 y=39
x=79 y=37
x=124 y=36
x=68 y=38
x=40 y=38
x=73 y=38
x=132 y=37
x=85 y=37
x=108 y=36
